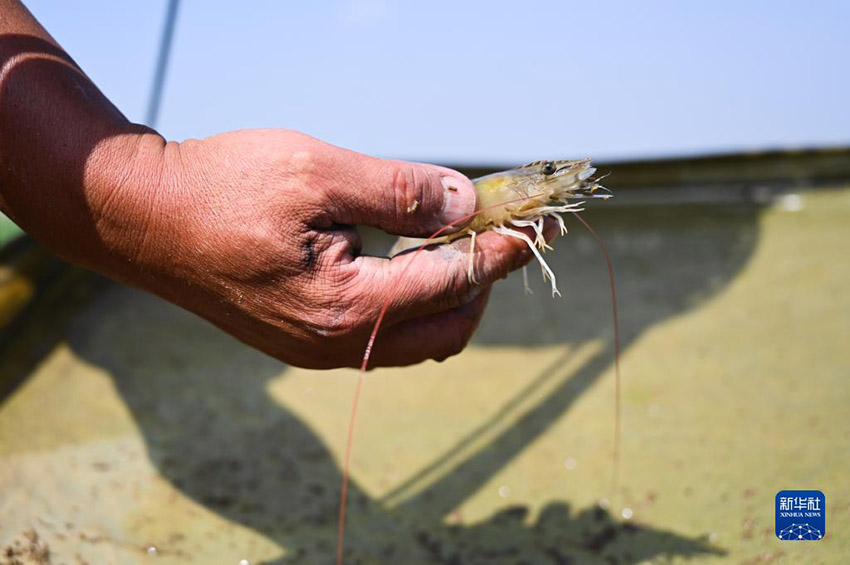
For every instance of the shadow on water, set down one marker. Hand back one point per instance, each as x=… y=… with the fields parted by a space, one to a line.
x=211 y=428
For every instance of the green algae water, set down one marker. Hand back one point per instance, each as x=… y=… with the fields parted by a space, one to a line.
x=128 y=423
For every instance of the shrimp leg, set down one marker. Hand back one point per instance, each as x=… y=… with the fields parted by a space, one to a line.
x=547 y=272
x=525 y=280
x=560 y=222
x=537 y=226
x=470 y=272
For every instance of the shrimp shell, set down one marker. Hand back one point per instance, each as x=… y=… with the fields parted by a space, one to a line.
x=530 y=194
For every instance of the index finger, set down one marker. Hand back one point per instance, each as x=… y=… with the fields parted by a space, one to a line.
x=436 y=278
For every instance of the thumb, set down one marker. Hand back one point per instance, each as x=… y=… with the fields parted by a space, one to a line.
x=402 y=198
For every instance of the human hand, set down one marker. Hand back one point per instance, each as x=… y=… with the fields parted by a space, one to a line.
x=252 y=230
x=255 y=231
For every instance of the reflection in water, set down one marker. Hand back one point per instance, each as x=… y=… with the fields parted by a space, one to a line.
x=200 y=400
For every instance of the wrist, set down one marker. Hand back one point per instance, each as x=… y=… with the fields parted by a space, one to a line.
x=124 y=179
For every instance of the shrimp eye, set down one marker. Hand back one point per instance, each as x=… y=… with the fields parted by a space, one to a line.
x=548 y=168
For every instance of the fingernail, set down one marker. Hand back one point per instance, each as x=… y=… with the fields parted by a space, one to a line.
x=459 y=200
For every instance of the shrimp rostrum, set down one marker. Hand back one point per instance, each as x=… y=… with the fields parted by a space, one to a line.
x=524 y=197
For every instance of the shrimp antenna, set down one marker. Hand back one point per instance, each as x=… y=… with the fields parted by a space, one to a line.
x=615 y=478
x=361 y=377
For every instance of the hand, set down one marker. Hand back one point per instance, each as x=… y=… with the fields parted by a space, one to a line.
x=255 y=231
x=252 y=230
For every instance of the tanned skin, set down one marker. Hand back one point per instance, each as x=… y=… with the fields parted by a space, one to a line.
x=253 y=230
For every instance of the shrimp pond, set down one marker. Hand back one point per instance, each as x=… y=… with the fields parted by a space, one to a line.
x=132 y=431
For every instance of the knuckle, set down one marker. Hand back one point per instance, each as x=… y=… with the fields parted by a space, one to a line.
x=406 y=180
x=459 y=290
x=334 y=315
x=302 y=162
x=413 y=196
x=455 y=289
x=308 y=163
x=338 y=323
x=404 y=190
x=306 y=168
x=341 y=321
x=442 y=291
x=332 y=323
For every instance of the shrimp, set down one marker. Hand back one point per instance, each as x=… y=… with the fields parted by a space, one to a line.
x=522 y=197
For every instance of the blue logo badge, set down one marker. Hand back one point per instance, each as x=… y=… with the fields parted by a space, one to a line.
x=800 y=515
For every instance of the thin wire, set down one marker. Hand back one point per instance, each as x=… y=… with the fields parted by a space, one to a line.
x=161 y=64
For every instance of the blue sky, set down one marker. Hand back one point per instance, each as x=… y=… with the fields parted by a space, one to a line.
x=481 y=82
